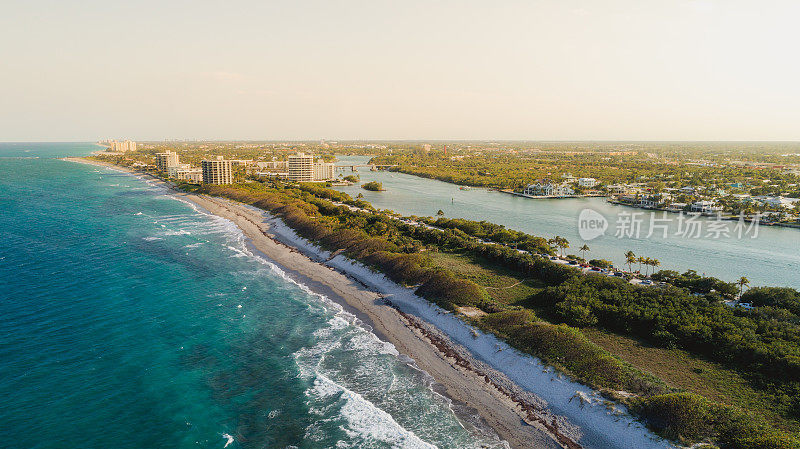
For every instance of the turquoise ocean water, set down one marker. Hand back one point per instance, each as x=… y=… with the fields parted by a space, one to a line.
x=129 y=319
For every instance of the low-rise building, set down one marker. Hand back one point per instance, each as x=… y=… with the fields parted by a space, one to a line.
x=548 y=189
x=185 y=172
x=706 y=207
x=650 y=201
x=676 y=207
x=777 y=201
x=273 y=165
x=618 y=189
x=587 y=182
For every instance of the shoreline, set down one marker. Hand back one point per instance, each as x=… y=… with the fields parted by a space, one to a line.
x=526 y=403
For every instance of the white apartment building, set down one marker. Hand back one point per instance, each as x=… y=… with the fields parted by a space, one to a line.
x=217 y=171
x=185 y=172
x=587 y=182
x=273 y=165
x=121 y=147
x=166 y=159
x=301 y=167
x=324 y=171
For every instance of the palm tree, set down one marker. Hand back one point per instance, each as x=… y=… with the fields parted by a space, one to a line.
x=583 y=249
x=654 y=263
x=559 y=242
x=630 y=258
x=563 y=244
x=641 y=260
x=741 y=283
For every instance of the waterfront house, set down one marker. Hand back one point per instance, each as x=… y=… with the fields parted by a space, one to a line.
x=706 y=207
x=587 y=182
x=617 y=189
x=777 y=201
x=548 y=189
x=676 y=207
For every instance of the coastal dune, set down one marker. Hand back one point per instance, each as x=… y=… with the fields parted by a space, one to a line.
x=461 y=384
x=528 y=404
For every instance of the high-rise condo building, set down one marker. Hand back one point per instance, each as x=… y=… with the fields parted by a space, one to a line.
x=217 y=171
x=301 y=168
x=121 y=147
x=324 y=171
x=166 y=159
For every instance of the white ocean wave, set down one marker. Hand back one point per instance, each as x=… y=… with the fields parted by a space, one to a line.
x=363 y=420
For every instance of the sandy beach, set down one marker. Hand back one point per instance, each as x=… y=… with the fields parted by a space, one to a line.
x=440 y=343
x=455 y=378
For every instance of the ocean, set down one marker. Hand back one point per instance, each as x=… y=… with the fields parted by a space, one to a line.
x=130 y=319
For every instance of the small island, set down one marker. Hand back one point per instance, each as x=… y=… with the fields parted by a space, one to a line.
x=373 y=186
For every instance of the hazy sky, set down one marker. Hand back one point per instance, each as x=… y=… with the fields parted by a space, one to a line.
x=406 y=69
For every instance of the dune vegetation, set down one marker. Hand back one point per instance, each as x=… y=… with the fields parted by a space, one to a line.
x=556 y=302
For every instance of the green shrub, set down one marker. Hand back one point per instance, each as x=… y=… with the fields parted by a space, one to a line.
x=372 y=185
x=447 y=291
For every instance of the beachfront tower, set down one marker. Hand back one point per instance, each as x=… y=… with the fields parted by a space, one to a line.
x=217 y=171
x=301 y=168
x=166 y=160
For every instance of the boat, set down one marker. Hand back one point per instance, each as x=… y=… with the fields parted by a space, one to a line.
x=464 y=188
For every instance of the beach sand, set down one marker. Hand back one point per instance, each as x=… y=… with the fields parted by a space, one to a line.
x=452 y=369
x=528 y=404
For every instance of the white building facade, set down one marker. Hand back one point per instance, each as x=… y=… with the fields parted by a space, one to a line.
x=324 y=171
x=166 y=160
x=548 y=189
x=217 y=171
x=301 y=167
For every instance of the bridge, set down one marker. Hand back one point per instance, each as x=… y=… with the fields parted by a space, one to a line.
x=372 y=167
